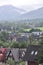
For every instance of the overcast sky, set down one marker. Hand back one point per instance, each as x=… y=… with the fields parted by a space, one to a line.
x=25 y=4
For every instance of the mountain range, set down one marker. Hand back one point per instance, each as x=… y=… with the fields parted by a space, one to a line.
x=9 y=12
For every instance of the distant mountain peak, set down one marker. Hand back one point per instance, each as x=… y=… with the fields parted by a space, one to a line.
x=38 y=13
x=8 y=12
x=13 y=7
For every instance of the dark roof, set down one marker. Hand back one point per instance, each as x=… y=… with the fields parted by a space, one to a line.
x=23 y=38
x=31 y=53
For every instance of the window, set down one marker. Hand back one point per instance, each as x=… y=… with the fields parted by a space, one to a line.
x=36 y=52
x=32 y=52
x=23 y=53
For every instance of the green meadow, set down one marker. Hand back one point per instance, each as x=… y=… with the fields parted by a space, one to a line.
x=41 y=28
x=27 y=30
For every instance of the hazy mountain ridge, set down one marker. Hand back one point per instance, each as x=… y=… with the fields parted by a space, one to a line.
x=8 y=12
x=33 y=14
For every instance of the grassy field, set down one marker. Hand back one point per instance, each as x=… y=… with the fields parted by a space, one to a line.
x=27 y=30
x=41 y=28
